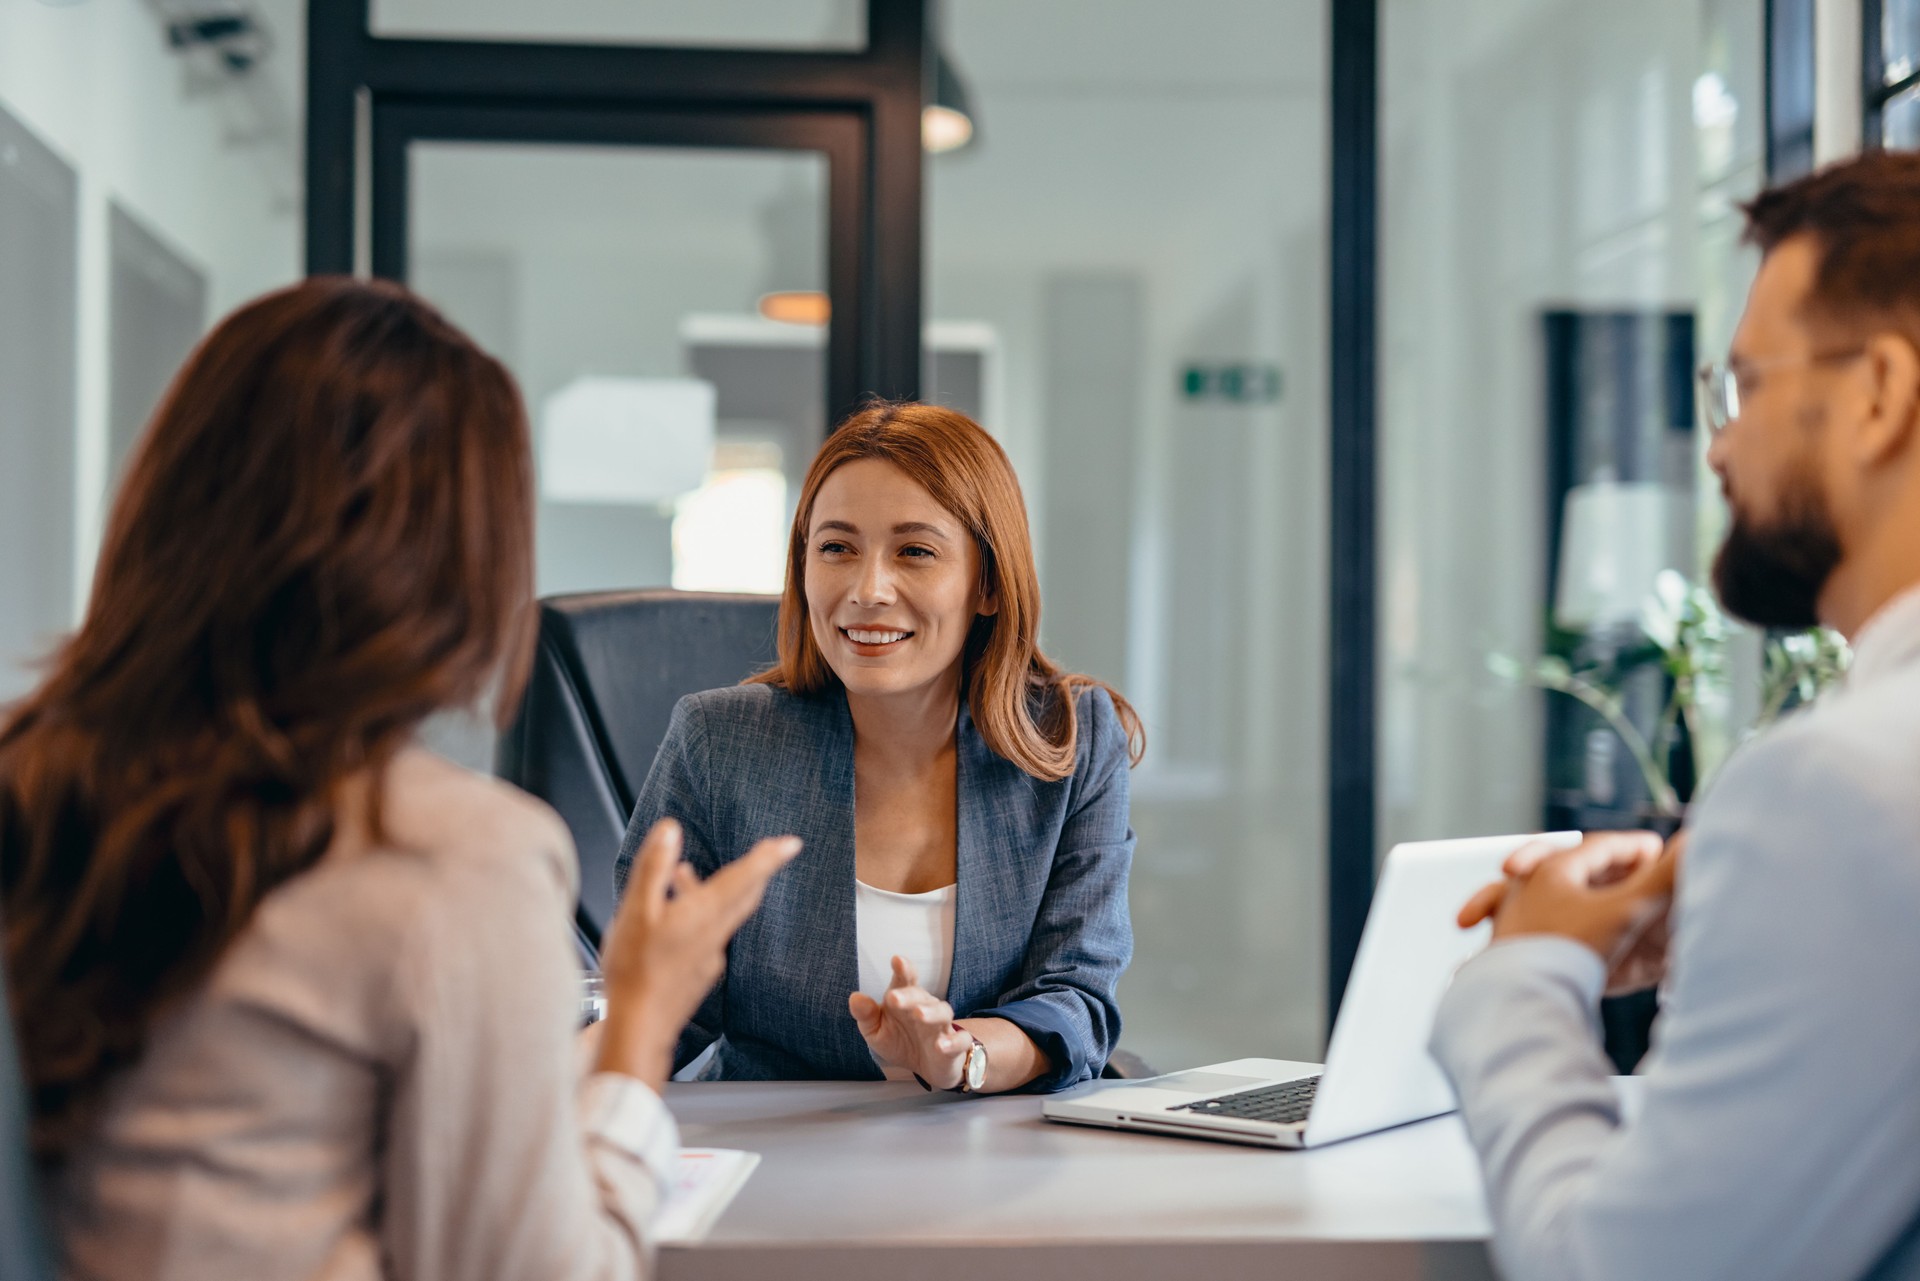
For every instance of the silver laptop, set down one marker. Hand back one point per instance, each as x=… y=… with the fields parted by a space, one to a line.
x=1378 y=1073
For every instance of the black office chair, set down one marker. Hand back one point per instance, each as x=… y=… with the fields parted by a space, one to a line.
x=608 y=670
x=23 y=1235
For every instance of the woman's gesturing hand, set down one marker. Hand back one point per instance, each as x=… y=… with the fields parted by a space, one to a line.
x=913 y=1028
x=668 y=945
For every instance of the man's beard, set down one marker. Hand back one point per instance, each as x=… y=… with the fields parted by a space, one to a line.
x=1772 y=575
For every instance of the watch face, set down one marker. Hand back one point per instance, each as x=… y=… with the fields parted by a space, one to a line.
x=976 y=1067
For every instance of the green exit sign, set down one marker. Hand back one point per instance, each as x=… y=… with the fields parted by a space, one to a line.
x=1242 y=383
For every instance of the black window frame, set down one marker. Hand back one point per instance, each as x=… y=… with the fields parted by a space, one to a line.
x=835 y=135
x=1790 y=71
x=861 y=108
x=1875 y=90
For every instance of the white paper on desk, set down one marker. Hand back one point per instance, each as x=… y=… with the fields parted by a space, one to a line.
x=704 y=1183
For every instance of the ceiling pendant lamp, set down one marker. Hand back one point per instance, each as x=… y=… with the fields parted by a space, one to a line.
x=946 y=123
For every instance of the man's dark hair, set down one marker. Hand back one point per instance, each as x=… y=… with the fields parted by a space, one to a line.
x=1864 y=216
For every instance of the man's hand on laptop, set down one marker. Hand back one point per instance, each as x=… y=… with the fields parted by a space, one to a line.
x=1611 y=893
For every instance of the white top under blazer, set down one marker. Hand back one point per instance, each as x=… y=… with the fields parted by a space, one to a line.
x=918 y=927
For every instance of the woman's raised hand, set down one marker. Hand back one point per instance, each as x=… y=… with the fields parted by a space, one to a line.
x=913 y=1028
x=668 y=945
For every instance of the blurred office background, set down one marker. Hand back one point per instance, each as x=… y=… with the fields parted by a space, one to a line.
x=1126 y=279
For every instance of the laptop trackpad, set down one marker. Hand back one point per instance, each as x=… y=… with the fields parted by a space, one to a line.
x=1203 y=1082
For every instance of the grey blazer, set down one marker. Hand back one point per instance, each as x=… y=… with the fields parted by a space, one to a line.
x=1041 y=931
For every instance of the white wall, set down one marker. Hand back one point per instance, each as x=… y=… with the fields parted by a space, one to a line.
x=96 y=82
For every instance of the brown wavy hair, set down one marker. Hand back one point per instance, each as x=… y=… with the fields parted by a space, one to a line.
x=1022 y=703
x=324 y=536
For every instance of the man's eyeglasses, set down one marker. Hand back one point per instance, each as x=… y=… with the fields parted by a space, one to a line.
x=1719 y=383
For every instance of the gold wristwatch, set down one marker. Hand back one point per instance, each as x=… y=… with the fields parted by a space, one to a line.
x=973 y=1068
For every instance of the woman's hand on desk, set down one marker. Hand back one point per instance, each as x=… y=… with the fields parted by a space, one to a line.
x=668 y=946
x=912 y=1027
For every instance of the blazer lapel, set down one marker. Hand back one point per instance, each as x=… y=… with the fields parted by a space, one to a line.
x=829 y=953
x=980 y=861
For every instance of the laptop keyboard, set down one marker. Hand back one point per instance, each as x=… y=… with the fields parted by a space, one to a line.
x=1281 y=1104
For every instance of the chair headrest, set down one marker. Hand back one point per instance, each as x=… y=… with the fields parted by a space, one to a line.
x=633 y=655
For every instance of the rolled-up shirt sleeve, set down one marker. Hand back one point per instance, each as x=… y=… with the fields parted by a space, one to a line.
x=1779 y=1118
x=631 y=1139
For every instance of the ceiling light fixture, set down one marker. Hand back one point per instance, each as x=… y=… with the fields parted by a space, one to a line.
x=946 y=123
x=797 y=307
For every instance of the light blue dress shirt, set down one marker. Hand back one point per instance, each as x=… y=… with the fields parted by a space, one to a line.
x=1780 y=1132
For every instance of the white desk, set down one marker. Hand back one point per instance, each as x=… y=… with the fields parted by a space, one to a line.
x=887 y=1181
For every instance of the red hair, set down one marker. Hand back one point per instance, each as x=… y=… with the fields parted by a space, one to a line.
x=1022 y=703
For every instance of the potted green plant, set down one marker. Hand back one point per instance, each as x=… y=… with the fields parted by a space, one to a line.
x=1684 y=631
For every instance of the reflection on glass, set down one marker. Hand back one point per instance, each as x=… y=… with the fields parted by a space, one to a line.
x=1900 y=38
x=1126 y=260
x=638 y=441
x=1560 y=249
x=1900 y=120
x=730 y=534
x=622 y=287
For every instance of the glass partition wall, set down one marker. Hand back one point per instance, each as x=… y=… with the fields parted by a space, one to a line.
x=1559 y=250
x=1125 y=281
x=1892 y=45
x=1135 y=239
x=626 y=287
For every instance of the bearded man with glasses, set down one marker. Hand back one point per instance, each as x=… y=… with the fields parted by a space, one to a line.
x=1777 y=1133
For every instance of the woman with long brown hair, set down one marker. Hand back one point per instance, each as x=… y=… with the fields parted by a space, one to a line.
x=295 y=998
x=964 y=801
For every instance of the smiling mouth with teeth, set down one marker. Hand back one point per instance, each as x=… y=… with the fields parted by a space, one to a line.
x=866 y=636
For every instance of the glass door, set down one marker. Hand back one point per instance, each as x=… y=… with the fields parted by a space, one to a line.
x=676 y=294
x=663 y=310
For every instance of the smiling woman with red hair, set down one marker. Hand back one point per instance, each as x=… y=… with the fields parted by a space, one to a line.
x=961 y=915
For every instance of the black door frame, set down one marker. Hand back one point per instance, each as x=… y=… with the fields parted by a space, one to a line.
x=1876 y=90
x=446 y=89
x=1353 y=481
x=861 y=108
x=837 y=135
